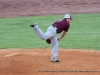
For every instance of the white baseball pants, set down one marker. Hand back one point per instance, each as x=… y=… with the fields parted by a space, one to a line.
x=50 y=34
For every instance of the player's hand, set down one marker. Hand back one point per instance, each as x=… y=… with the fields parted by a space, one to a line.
x=58 y=39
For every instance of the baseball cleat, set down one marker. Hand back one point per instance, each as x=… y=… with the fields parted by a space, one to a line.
x=55 y=60
x=33 y=25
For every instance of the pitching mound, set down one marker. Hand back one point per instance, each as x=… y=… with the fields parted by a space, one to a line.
x=37 y=62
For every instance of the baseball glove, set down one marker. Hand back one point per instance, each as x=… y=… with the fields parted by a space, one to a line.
x=48 y=41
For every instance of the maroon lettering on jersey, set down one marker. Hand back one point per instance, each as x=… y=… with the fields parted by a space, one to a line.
x=62 y=25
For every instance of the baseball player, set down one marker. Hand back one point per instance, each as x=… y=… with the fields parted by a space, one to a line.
x=60 y=26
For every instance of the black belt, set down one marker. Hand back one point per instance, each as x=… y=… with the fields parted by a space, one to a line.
x=56 y=30
x=54 y=26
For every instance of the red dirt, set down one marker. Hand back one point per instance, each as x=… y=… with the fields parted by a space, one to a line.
x=37 y=61
x=16 y=8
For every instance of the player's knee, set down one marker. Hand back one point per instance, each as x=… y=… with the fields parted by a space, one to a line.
x=43 y=38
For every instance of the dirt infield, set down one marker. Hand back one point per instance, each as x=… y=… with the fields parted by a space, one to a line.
x=37 y=62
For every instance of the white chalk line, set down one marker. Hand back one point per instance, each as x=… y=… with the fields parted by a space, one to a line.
x=9 y=55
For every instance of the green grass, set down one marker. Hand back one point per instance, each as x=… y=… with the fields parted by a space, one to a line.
x=84 y=32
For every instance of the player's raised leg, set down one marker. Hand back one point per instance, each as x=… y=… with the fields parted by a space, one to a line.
x=42 y=35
